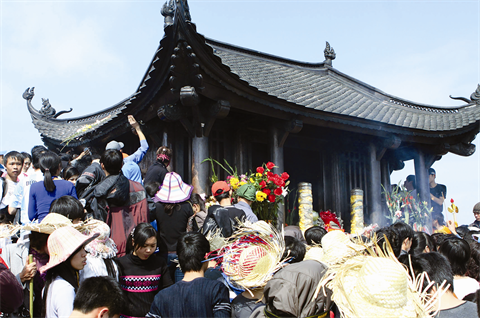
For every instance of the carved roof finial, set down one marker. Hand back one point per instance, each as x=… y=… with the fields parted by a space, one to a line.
x=475 y=97
x=329 y=53
x=168 y=11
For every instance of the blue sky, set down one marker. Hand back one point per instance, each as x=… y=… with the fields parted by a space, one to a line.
x=89 y=55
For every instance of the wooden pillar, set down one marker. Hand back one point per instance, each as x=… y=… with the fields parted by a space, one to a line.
x=374 y=184
x=276 y=153
x=421 y=174
x=241 y=152
x=385 y=169
x=423 y=186
x=199 y=169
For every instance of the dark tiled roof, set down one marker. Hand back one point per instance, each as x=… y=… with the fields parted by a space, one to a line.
x=322 y=88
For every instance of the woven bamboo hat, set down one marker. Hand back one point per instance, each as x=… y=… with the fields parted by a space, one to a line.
x=173 y=189
x=49 y=224
x=371 y=286
x=62 y=243
x=337 y=247
x=253 y=255
x=103 y=246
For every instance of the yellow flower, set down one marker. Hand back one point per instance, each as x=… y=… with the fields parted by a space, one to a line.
x=260 y=196
x=258 y=174
x=234 y=183
x=251 y=180
x=242 y=183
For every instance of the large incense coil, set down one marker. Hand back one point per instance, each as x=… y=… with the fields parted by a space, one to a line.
x=356 y=211
x=305 y=205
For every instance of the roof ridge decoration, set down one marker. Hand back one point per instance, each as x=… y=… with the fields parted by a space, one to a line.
x=47 y=110
x=168 y=11
x=474 y=98
x=329 y=54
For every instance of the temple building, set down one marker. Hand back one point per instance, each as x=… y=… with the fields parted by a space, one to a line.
x=205 y=98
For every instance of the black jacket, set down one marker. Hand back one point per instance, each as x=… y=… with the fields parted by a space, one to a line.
x=156 y=172
x=90 y=177
x=114 y=191
x=224 y=218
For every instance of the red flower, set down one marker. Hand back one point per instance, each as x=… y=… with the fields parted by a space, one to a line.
x=269 y=174
x=278 y=191
x=285 y=176
x=263 y=184
x=271 y=198
x=451 y=200
x=270 y=165
x=260 y=170
x=267 y=191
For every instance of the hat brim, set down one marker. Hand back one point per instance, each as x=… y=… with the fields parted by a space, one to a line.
x=56 y=261
x=177 y=197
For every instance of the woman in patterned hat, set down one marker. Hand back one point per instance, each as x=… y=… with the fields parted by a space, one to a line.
x=172 y=212
x=142 y=273
x=66 y=247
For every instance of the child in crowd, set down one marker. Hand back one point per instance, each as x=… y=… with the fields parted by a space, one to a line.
x=142 y=273
x=195 y=295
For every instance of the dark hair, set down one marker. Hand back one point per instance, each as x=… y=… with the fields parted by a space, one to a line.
x=411 y=178
x=457 y=251
x=421 y=240
x=13 y=155
x=314 y=235
x=388 y=234
x=191 y=250
x=152 y=188
x=98 y=292
x=112 y=161
x=26 y=155
x=142 y=232
x=436 y=266
x=294 y=249
x=12 y=291
x=65 y=271
x=403 y=230
x=164 y=151
x=224 y=195
x=49 y=164
x=195 y=198
x=37 y=152
x=69 y=172
x=69 y=207
x=473 y=265
x=439 y=238
x=38 y=240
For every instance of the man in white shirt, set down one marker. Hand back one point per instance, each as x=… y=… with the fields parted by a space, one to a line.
x=13 y=162
x=22 y=191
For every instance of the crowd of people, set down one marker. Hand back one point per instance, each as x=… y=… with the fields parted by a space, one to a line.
x=92 y=236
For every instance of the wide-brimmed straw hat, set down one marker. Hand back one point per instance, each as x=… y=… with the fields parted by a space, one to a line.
x=370 y=286
x=173 y=189
x=314 y=253
x=103 y=246
x=62 y=243
x=253 y=255
x=337 y=248
x=49 y=224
